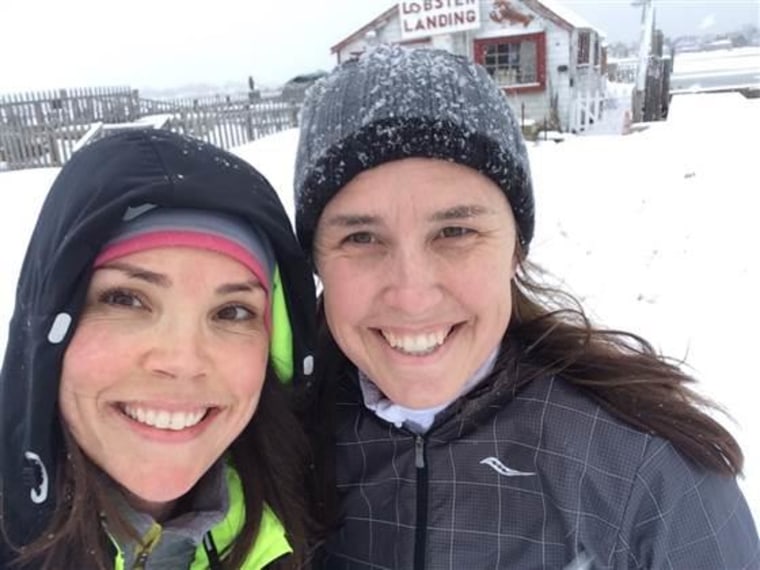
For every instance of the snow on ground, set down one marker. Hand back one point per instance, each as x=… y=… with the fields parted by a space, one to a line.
x=21 y=195
x=654 y=231
x=275 y=157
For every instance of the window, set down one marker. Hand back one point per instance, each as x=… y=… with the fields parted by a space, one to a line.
x=584 y=48
x=597 y=52
x=516 y=63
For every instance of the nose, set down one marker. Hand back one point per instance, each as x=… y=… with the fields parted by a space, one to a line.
x=413 y=283
x=176 y=349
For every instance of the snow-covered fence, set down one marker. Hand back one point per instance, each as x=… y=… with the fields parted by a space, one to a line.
x=44 y=129
x=100 y=130
x=41 y=128
x=622 y=70
x=233 y=123
x=586 y=110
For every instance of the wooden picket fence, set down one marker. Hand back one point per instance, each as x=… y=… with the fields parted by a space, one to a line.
x=586 y=110
x=44 y=129
x=41 y=129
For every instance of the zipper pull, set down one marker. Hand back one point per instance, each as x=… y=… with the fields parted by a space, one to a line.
x=150 y=540
x=419 y=452
x=140 y=561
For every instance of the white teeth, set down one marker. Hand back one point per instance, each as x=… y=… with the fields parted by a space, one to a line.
x=163 y=419
x=418 y=344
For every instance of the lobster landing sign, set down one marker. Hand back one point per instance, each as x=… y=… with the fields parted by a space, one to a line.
x=426 y=18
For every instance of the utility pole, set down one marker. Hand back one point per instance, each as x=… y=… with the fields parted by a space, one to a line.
x=645 y=49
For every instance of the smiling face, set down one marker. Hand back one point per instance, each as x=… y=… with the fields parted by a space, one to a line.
x=416 y=258
x=165 y=368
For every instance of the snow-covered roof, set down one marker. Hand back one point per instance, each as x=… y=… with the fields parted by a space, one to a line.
x=568 y=15
x=381 y=19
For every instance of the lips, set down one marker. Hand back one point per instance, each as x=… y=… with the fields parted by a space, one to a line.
x=416 y=344
x=171 y=420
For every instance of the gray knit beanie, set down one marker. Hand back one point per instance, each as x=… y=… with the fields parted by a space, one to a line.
x=395 y=103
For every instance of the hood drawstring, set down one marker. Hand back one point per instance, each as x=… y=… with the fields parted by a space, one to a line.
x=211 y=552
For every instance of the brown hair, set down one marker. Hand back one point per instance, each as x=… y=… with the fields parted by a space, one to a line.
x=270 y=456
x=620 y=370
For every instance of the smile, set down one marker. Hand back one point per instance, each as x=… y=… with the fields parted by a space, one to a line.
x=420 y=344
x=164 y=419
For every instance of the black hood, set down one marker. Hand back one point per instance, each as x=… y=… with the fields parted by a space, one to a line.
x=98 y=187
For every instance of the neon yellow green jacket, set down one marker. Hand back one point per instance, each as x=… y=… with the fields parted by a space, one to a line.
x=270 y=544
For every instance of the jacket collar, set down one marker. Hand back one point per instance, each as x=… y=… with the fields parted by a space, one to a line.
x=271 y=541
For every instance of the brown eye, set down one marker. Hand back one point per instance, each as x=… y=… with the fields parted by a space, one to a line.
x=360 y=238
x=120 y=298
x=454 y=232
x=235 y=313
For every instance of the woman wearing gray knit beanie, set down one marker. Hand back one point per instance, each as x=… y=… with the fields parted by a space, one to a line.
x=469 y=417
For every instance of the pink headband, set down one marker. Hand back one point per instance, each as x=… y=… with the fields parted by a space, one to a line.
x=200 y=229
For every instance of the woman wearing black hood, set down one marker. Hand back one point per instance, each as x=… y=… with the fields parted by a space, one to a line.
x=162 y=312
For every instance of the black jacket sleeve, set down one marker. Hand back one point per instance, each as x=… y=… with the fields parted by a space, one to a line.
x=680 y=516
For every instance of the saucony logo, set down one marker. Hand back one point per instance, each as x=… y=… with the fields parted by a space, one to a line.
x=502 y=469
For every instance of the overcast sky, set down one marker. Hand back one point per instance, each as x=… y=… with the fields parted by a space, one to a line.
x=47 y=44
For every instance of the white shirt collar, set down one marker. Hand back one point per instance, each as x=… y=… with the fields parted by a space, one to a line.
x=417 y=420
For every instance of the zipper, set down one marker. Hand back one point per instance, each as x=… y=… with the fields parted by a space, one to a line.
x=149 y=542
x=420 y=538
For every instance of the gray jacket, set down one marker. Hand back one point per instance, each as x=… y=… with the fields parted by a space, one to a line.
x=539 y=479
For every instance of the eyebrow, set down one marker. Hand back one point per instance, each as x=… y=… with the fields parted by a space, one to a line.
x=461 y=212
x=161 y=280
x=244 y=287
x=134 y=272
x=352 y=220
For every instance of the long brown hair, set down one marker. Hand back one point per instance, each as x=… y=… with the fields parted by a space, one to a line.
x=271 y=456
x=619 y=369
